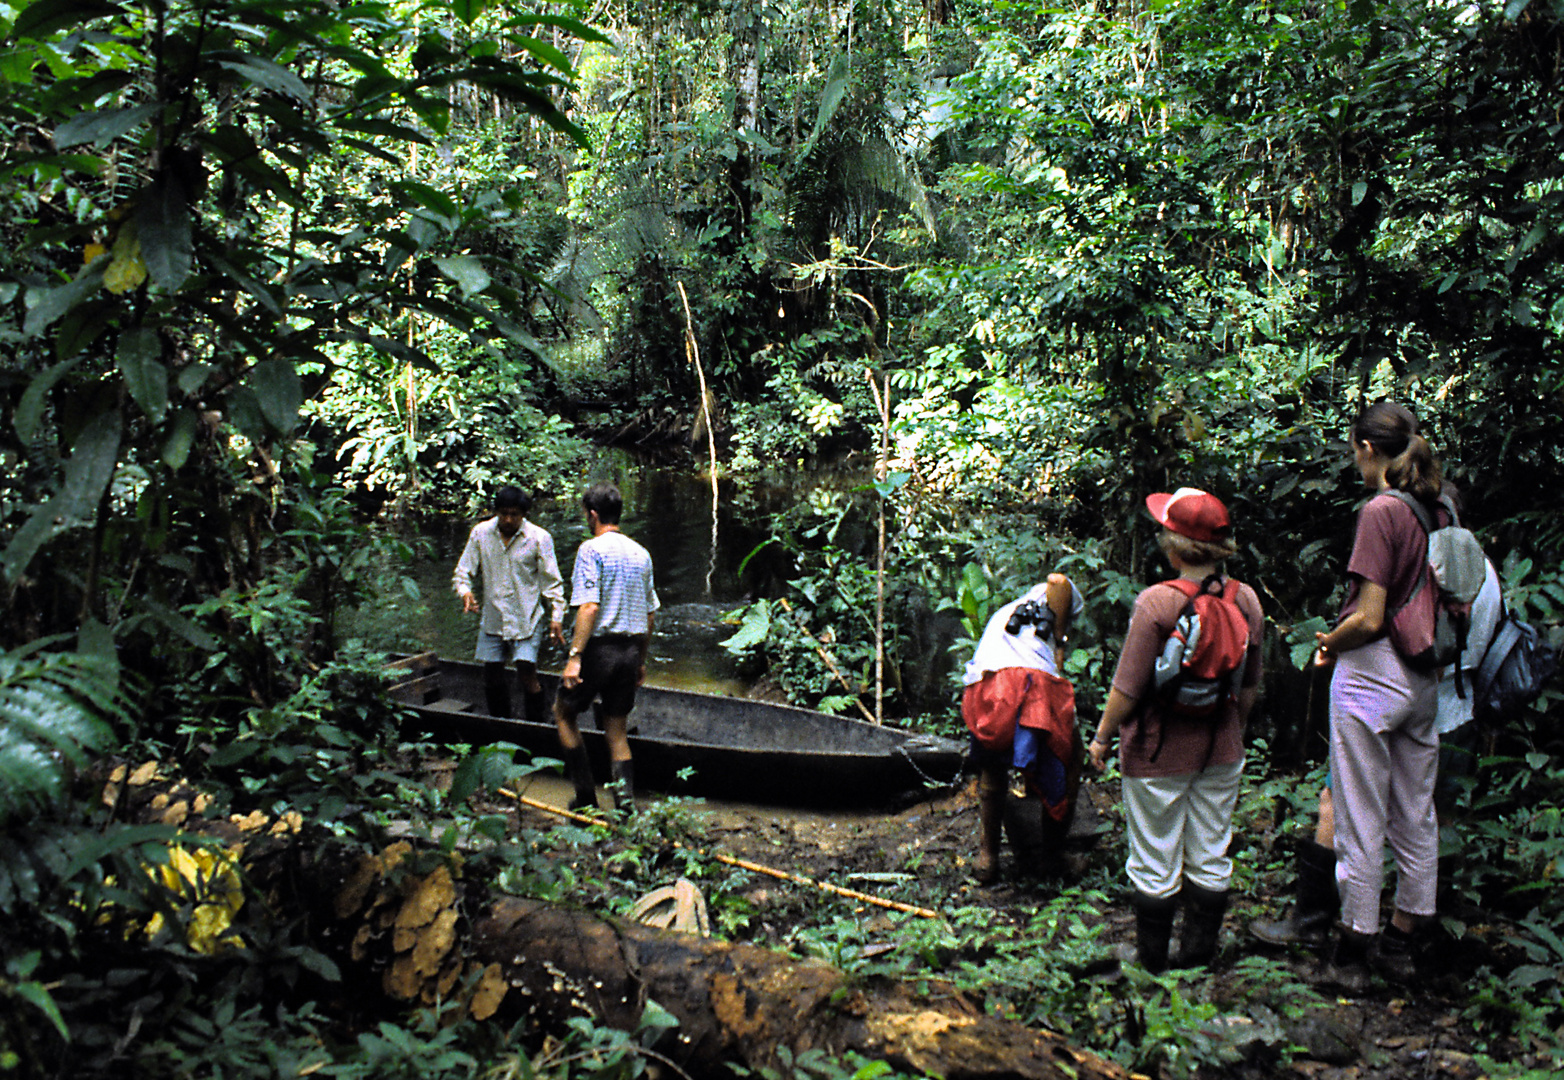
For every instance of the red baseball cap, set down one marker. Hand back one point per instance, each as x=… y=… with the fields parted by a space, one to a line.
x=1191 y=512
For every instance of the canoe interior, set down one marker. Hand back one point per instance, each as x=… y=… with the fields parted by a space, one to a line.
x=686 y=742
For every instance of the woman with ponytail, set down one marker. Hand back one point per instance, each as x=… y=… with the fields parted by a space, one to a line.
x=1383 y=749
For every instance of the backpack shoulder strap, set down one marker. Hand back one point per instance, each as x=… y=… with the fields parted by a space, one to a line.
x=1189 y=588
x=1419 y=511
x=1449 y=505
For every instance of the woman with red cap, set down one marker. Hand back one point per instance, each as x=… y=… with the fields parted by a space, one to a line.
x=1181 y=771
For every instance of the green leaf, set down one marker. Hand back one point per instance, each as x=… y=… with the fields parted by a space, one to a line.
x=49 y=305
x=29 y=410
x=468 y=10
x=427 y=197
x=1537 y=760
x=466 y=271
x=752 y=630
x=268 y=75
x=836 y=83
x=163 y=225
x=102 y=127
x=1359 y=190
x=87 y=473
x=180 y=437
x=278 y=392
x=39 y=20
x=140 y=362
x=38 y=996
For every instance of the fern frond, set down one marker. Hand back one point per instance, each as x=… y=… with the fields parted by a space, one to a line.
x=55 y=709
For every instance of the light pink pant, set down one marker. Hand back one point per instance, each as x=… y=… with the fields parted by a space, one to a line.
x=1384 y=755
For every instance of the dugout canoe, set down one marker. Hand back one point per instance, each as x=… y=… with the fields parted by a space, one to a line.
x=689 y=743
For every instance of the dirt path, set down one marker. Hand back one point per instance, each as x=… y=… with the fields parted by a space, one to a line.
x=921 y=855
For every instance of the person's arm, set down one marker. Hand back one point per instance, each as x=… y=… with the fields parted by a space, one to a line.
x=586 y=618
x=1359 y=628
x=466 y=567
x=1060 y=599
x=553 y=588
x=646 y=646
x=1118 y=709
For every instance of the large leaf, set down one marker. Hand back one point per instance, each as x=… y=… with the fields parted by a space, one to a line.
x=102 y=127
x=87 y=473
x=140 y=363
x=278 y=392
x=163 y=227
x=42 y=18
x=29 y=411
x=266 y=74
x=836 y=83
x=466 y=271
x=49 y=305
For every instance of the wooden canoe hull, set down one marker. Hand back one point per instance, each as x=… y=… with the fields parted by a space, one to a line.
x=689 y=743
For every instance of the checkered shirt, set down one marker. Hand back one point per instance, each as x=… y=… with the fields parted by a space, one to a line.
x=615 y=573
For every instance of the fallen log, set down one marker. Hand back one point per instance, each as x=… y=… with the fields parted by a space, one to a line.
x=406 y=923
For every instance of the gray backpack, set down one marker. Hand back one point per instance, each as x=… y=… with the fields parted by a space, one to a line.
x=1457 y=566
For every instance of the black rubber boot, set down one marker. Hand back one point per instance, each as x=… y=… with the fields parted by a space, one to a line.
x=496 y=689
x=1348 y=969
x=578 y=770
x=1394 y=959
x=535 y=707
x=1153 y=929
x=623 y=788
x=992 y=791
x=1202 y=930
x=1317 y=906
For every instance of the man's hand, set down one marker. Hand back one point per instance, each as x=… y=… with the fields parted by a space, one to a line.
x=469 y=603
x=556 y=630
x=1098 y=752
x=570 y=678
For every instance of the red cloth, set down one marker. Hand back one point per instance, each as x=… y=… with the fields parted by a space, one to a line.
x=1030 y=697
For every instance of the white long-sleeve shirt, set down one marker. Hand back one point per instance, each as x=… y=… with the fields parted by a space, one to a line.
x=518 y=575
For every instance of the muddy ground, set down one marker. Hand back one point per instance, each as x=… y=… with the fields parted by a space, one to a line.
x=921 y=855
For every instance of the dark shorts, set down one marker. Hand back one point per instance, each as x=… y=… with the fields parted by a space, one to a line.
x=610 y=668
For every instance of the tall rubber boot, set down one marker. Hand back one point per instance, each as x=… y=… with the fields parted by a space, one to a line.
x=623 y=788
x=1395 y=959
x=1153 y=929
x=992 y=789
x=1348 y=968
x=1317 y=905
x=1203 y=913
x=578 y=770
x=535 y=707
x=496 y=689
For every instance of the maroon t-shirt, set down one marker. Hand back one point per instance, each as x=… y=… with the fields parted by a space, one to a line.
x=1390 y=549
x=1188 y=743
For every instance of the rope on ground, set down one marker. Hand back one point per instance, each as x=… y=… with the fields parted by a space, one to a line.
x=742 y=864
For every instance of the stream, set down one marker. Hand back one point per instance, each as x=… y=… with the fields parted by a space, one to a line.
x=697 y=551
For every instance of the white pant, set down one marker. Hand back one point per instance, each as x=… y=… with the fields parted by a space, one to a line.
x=1383 y=758
x=1180 y=826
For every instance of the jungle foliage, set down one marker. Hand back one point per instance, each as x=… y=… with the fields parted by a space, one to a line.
x=269 y=266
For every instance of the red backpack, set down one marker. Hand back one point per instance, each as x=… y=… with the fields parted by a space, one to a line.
x=1198 y=668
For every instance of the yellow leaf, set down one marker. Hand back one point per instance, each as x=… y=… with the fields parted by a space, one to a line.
x=127 y=269
x=92 y=251
x=490 y=991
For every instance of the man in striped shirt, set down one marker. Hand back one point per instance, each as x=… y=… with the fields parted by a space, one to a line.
x=615 y=601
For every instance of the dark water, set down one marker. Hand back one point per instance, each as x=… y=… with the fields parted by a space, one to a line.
x=696 y=557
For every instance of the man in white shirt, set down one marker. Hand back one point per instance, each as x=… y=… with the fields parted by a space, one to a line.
x=516 y=560
x=615 y=600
